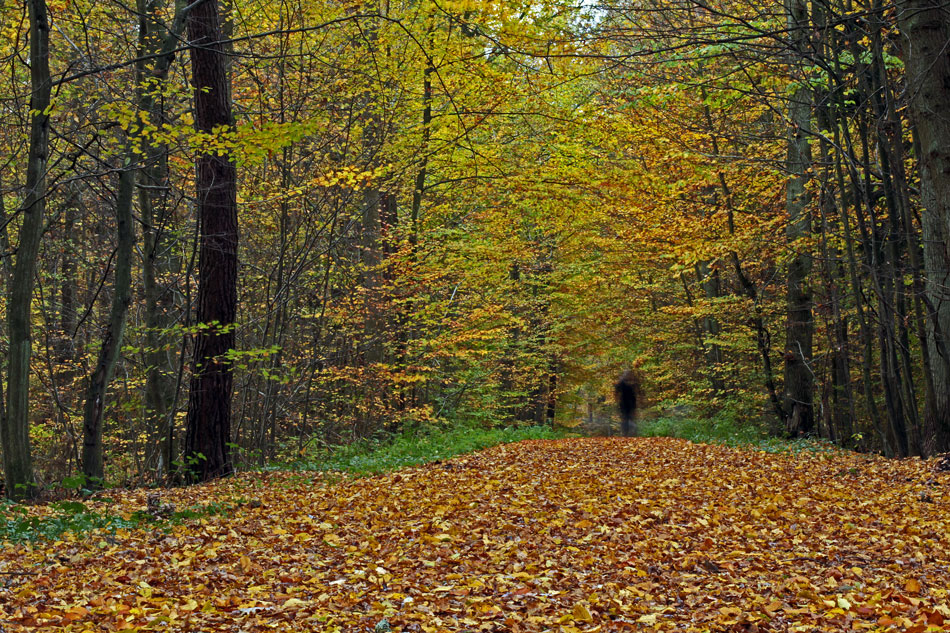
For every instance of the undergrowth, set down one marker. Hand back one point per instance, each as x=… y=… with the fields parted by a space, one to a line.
x=17 y=523
x=369 y=457
x=724 y=430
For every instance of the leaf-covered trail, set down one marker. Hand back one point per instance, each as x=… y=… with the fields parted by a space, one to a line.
x=590 y=535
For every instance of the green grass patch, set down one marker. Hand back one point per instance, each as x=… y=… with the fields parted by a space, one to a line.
x=724 y=430
x=18 y=523
x=369 y=457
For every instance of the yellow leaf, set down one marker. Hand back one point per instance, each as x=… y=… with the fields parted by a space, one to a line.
x=582 y=613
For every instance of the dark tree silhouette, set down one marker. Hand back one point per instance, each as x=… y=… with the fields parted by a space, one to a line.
x=208 y=432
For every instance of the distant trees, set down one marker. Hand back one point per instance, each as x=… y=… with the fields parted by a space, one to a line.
x=865 y=259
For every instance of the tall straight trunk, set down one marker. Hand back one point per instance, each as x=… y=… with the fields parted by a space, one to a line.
x=276 y=321
x=376 y=325
x=799 y=379
x=420 y=184
x=373 y=198
x=415 y=213
x=17 y=458
x=98 y=384
x=841 y=414
x=925 y=28
x=208 y=427
x=159 y=304
x=101 y=375
x=158 y=259
x=858 y=195
x=881 y=277
x=898 y=378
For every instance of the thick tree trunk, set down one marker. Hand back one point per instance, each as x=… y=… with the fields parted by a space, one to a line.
x=799 y=379
x=17 y=459
x=208 y=432
x=925 y=27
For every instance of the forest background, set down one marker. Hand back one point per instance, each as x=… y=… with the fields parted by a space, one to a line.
x=364 y=218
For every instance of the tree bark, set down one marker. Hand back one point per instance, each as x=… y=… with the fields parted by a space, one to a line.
x=17 y=458
x=799 y=379
x=925 y=28
x=208 y=427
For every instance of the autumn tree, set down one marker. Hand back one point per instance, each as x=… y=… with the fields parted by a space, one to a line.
x=799 y=381
x=150 y=44
x=17 y=458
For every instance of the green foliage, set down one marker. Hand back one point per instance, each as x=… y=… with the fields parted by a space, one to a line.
x=373 y=456
x=17 y=523
x=724 y=429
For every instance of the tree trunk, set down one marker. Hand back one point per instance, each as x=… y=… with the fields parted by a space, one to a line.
x=92 y=466
x=799 y=380
x=158 y=259
x=842 y=138
x=926 y=30
x=841 y=414
x=122 y=296
x=208 y=427
x=17 y=458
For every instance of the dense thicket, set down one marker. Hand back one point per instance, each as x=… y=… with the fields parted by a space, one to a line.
x=469 y=212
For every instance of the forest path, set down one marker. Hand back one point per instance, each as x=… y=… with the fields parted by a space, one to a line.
x=600 y=534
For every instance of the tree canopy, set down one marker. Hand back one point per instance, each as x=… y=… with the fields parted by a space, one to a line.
x=457 y=212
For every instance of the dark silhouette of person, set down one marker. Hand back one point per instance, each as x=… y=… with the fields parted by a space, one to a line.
x=626 y=390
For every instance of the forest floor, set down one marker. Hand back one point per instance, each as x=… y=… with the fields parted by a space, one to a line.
x=602 y=534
